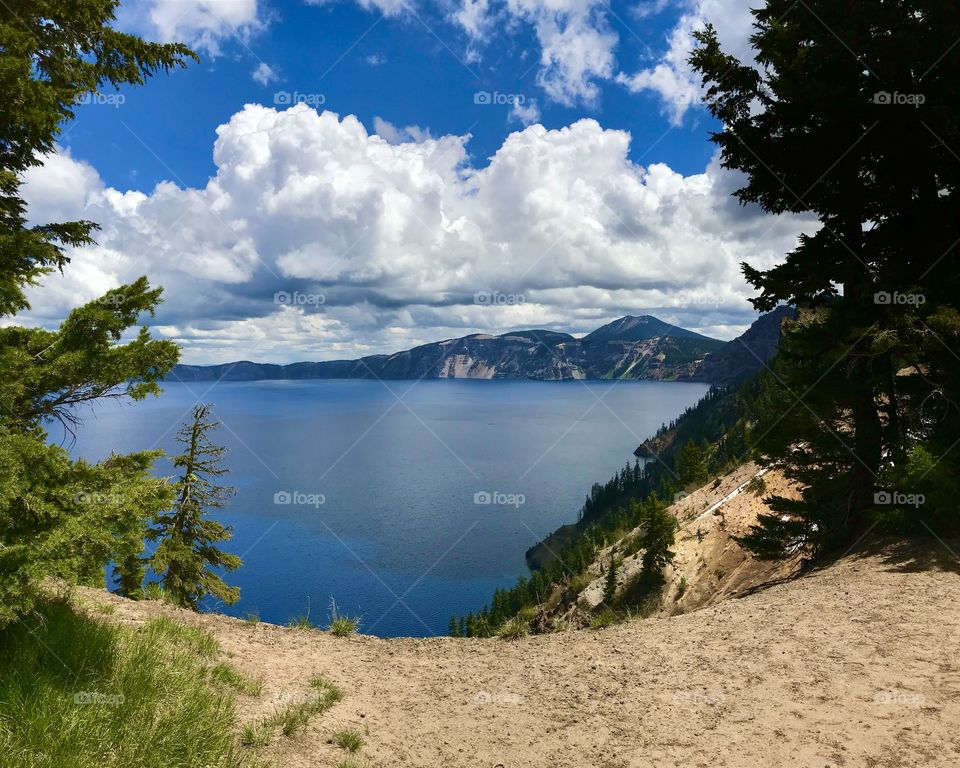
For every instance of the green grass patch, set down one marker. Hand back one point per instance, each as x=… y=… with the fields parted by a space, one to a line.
x=343 y=626
x=184 y=635
x=154 y=591
x=350 y=739
x=78 y=693
x=228 y=675
x=528 y=613
x=255 y=735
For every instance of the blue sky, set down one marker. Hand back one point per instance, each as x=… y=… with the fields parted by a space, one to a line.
x=408 y=70
x=345 y=178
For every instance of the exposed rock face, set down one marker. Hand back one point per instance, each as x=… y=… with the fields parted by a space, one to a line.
x=708 y=565
x=629 y=348
x=743 y=357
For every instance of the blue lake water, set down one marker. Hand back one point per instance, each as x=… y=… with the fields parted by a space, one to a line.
x=366 y=491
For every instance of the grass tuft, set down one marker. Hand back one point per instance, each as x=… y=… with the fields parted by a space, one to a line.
x=293 y=717
x=255 y=735
x=154 y=591
x=606 y=618
x=350 y=739
x=300 y=622
x=343 y=626
x=514 y=629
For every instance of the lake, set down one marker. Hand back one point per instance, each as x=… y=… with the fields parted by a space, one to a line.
x=404 y=501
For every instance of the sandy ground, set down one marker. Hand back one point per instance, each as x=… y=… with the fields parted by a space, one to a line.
x=855 y=665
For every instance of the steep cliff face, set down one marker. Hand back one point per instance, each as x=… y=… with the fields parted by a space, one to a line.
x=708 y=565
x=641 y=347
x=743 y=357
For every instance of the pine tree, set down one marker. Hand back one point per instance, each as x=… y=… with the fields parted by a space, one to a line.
x=129 y=574
x=454 y=628
x=60 y=517
x=692 y=463
x=186 y=558
x=659 y=529
x=839 y=122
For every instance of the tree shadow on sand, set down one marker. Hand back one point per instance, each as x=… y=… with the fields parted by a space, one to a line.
x=929 y=553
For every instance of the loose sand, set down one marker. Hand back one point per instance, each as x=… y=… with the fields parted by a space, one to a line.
x=853 y=665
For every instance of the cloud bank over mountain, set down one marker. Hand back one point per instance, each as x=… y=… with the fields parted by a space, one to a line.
x=319 y=239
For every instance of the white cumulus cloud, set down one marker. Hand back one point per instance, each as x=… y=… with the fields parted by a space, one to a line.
x=671 y=77
x=389 y=238
x=202 y=24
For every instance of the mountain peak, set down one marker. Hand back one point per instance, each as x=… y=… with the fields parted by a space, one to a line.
x=639 y=328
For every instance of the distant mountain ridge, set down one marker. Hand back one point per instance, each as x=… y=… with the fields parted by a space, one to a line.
x=633 y=347
x=640 y=328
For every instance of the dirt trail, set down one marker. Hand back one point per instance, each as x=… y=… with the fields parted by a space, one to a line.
x=855 y=665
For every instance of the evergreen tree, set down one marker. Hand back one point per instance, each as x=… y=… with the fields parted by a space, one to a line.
x=454 y=628
x=659 y=528
x=129 y=574
x=844 y=120
x=60 y=517
x=692 y=464
x=186 y=558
